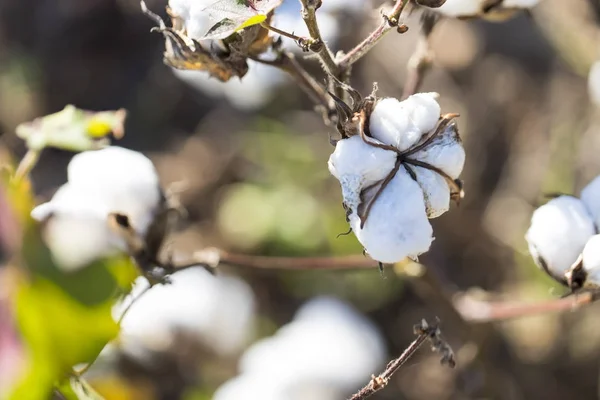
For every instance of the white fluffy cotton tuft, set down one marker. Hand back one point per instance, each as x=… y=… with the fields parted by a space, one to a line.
x=558 y=233
x=357 y=165
x=436 y=192
x=445 y=152
x=402 y=123
x=100 y=182
x=397 y=226
x=591 y=261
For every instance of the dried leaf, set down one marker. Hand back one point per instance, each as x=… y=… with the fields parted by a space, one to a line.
x=235 y=15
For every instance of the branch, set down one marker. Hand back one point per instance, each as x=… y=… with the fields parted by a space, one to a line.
x=389 y=22
x=478 y=311
x=309 y=8
x=422 y=58
x=288 y=63
x=424 y=332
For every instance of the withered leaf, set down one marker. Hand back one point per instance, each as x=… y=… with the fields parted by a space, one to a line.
x=235 y=15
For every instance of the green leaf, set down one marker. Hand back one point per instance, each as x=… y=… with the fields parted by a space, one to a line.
x=235 y=15
x=72 y=129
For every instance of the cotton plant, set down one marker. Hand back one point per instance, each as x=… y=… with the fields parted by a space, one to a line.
x=108 y=206
x=325 y=352
x=491 y=10
x=563 y=238
x=398 y=165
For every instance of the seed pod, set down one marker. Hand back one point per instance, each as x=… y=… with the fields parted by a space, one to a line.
x=558 y=233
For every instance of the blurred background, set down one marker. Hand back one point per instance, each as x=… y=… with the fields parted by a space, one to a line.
x=250 y=160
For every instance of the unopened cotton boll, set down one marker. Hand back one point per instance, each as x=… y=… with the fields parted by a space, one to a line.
x=445 y=152
x=402 y=123
x=591 y=261
x=590 y=195
x=397 y=226
x=357 y=164
x=558 y=233
x=435 y=191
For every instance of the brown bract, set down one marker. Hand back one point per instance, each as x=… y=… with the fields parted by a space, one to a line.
x=222 y=59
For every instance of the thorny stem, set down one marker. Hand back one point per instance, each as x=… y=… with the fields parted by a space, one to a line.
x=390 y=21
x=423 y=331
x=309 y=8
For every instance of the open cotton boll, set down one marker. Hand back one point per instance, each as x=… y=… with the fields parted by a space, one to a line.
x=445 y=152
x=123 y=180
x=356 y=165
x=397 y=226
x=76 y=230
x=402 y=123
x=591 y=261
x=217 y=310
x=325 y=352
x=435 y=191
x=558 y=233
x=590 y=195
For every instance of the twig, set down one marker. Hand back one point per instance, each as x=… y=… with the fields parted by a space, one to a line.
x=288 y=63
x=478 y=311
x=390 y=21
x=422 y=58
x=424 y=332
x=309 y=8
x=27 y=163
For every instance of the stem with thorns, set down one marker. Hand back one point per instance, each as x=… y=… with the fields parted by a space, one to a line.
x=389 y=22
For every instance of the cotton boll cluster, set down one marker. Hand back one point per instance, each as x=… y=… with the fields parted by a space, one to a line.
x=481 y=8
x=326 y=352
x=217 y=311
x=100 y=183
x=403 y=174
x=563 y=238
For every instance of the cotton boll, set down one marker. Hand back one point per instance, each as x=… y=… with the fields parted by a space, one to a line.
x=397 y=226
x=325 y=352
x=444 y=152
x=217 y=310
x=123 y=180
x=594 y=83
x=356 y=165
x=435 y=191
x=591 y=261
x=558 y=233
x=460 y=8
x=590 y=195
x=76 y=230
x=424 y=110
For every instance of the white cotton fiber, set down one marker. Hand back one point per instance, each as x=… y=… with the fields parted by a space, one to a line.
x=558 y=233
x=397 y=225
x=436 y=192
x=444 y=152
x=591 y=261
x=590 y=195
